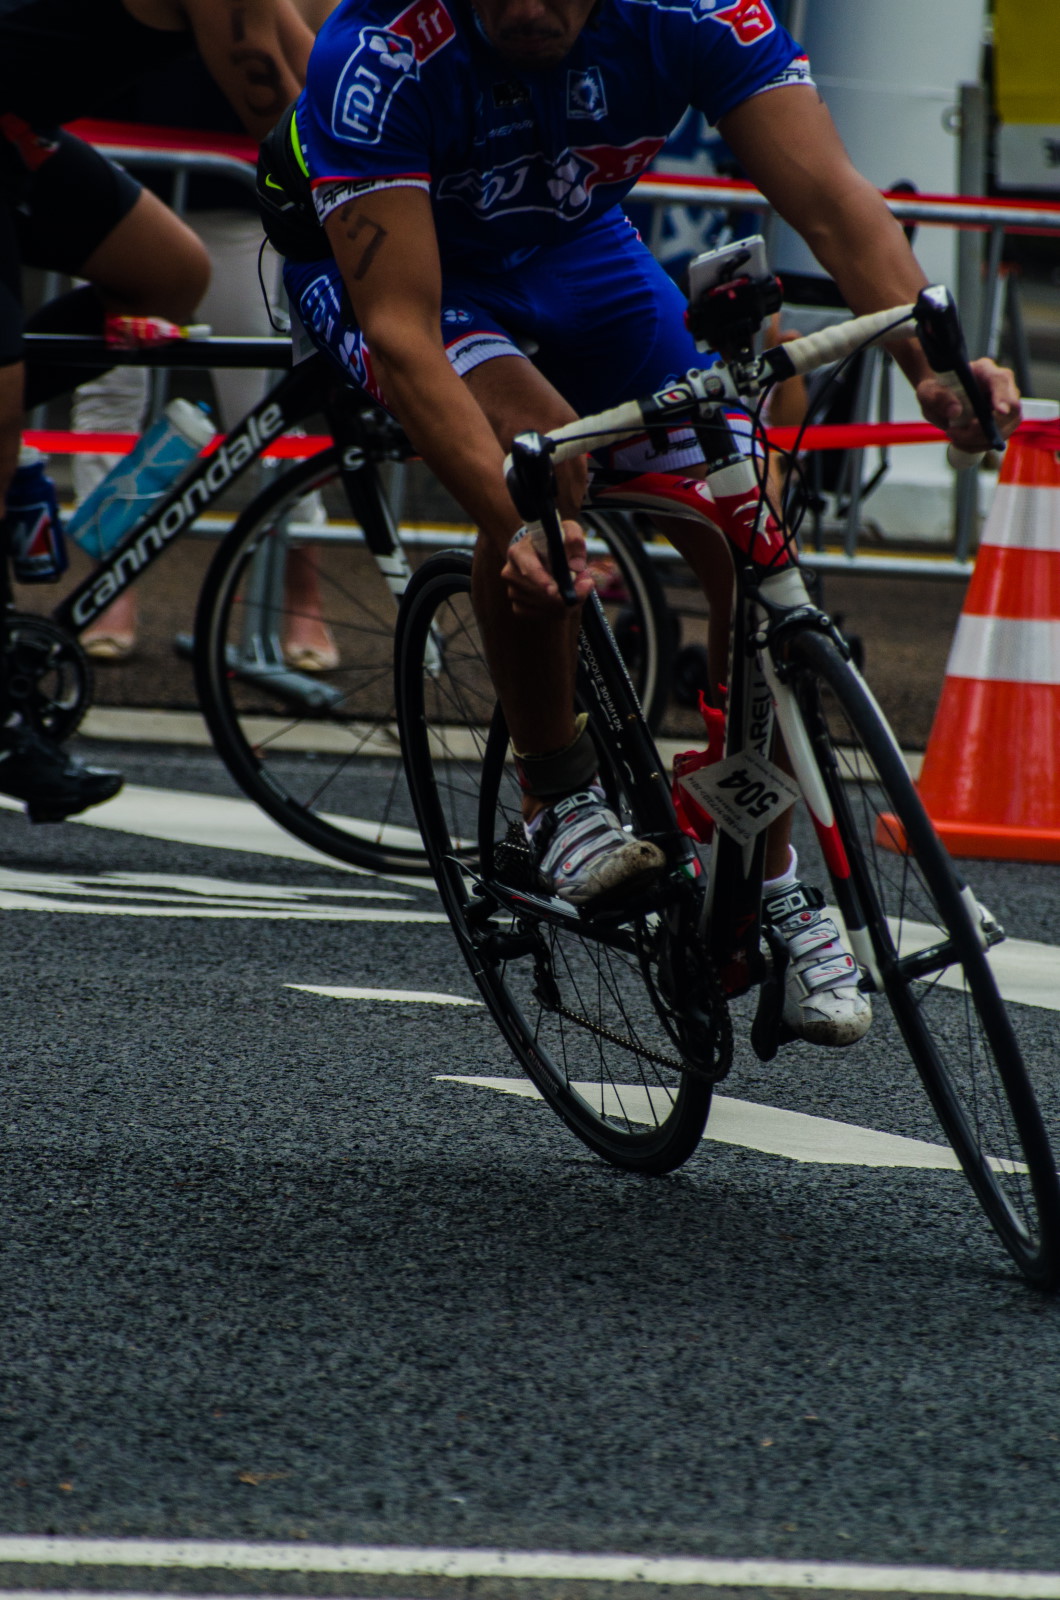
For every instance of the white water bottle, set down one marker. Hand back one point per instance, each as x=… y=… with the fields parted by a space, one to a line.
x=163 y=455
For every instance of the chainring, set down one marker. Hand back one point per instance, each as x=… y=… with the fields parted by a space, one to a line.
x=48 y=679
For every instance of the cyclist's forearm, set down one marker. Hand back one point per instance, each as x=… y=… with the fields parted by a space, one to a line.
x=789 y=146
x=450 y=432
x=861 y=245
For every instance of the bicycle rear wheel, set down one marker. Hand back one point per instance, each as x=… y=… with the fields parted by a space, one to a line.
x=584 y=1015
x=927 y=936
x=320 y=752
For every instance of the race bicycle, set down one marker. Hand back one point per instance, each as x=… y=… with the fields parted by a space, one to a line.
x=623 y=1018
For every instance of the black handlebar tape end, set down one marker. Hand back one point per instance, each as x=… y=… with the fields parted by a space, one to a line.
x=779 y=362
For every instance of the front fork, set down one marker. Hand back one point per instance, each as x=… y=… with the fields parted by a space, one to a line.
x=788 y=590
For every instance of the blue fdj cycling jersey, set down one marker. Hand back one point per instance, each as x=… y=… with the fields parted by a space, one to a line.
x=516 y=160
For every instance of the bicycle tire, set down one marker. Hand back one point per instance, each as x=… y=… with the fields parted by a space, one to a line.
x=538 y=994
x=332 y=774
x=951 y=1016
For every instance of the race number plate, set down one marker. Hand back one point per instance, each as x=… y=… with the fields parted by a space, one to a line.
x=743 y=793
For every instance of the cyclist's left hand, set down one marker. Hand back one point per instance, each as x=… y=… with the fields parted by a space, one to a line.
x=531 y=587
x=949 y=410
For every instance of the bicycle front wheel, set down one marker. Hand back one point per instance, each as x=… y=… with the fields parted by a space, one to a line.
x=928 y=937
x=583 y=1015
x=319 y=750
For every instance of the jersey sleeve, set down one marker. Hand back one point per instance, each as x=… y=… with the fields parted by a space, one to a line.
x=733 y=50
x=364 y=121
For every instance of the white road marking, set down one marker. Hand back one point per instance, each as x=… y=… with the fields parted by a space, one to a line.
x=163 y=894
x=793 y=1134
x=1027 y=971
x=213 y=821
x=339 y=992
x=529 y=1566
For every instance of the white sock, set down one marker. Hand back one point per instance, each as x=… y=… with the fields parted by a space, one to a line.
x=787 y=877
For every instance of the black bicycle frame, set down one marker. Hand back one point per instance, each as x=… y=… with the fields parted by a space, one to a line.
x=312 y=386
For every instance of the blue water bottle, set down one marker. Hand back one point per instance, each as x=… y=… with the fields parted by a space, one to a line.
x=34 y=531
x=163 y=455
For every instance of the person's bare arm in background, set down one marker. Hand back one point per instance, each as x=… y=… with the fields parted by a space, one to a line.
x=314 y=12
x=256 y=51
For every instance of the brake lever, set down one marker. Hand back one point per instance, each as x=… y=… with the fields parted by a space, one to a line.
x=531 y=483
x=942 y=340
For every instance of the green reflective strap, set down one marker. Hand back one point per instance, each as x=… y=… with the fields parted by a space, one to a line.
x=296 y=144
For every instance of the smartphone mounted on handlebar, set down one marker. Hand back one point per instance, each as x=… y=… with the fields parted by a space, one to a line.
x=731 y=292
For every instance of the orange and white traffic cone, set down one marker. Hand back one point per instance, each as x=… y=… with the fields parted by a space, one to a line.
x=991 y=774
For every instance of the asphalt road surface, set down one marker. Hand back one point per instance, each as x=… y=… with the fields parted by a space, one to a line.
x=271 y=1272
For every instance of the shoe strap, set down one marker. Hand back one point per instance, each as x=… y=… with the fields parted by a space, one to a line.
x=834 y=972
x=793 y=897
x=554 y=818
x=810 y=932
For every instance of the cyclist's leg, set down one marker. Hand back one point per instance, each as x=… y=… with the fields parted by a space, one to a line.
x=625 y=336
x=532 y=659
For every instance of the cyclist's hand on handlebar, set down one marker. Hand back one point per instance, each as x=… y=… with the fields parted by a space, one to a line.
x=949 y=409
x=531 y=587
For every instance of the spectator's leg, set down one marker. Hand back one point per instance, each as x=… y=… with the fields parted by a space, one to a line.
x=234 y=304
x=151 y=263
x=115 y=402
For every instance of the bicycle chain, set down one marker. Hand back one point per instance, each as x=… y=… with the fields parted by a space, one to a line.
x=722 y=1029
x=623 y=1041
x=515 y=861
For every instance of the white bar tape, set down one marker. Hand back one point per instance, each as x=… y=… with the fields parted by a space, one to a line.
x=1023 y=517
x=1006 y=650
x=843 y=338
x=608 y=427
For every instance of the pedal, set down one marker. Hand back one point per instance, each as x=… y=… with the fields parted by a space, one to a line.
x=991 y=928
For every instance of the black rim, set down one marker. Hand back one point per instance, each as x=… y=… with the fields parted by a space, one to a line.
x=332 y=775
x=577 y=1013
x=946 y=1005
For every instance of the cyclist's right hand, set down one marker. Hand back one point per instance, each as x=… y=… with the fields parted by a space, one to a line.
x=531 y=587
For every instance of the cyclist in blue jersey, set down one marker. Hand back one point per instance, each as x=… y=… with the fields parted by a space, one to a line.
x=447 y=190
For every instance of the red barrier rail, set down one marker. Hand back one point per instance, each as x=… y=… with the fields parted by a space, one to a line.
x=836 y=436
x=61 y=442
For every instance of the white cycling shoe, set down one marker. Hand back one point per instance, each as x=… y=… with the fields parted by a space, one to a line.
x=584 y=855
x=822 y=1001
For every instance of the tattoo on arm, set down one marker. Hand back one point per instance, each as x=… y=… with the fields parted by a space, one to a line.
x=264 y=95
x=372 y=244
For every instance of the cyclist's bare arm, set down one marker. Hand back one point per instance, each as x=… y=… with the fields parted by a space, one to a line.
x=386 y=249
x=255 y=50
x=788 y=145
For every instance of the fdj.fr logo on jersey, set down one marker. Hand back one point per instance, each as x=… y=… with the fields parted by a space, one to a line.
x=749 y=20
x=561 y=186
x=385 y=57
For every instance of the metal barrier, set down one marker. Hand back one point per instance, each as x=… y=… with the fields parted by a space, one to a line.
x=185 y=154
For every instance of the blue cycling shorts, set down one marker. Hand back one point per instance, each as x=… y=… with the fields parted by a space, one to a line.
x=597 y=315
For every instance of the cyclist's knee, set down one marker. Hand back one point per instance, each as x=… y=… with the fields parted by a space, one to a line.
x=151 y=262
